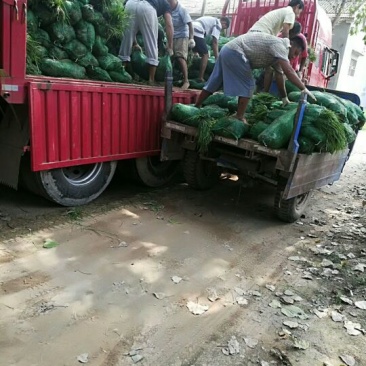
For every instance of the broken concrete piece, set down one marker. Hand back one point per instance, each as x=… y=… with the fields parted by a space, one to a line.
x=352 y=328
x=275 y=304
x=346 y=300
x=292 y=311
x=264 y=363
x=337 y=317
x=301 y=344
x=212 y=294
x=326 y=263
x=250 y=342
x=360 y=304
x=177 y=279
x=289 y=293
x=360 y=267
x=241 y=301
x=307 y=275
x=287 y=299
x=297 y=298
x=348 y=360
x=195 y=308
x=83 y=358
x=233 y=347
x=271 y=287
x=321 y=313
x=137 y=358
x=290 y=324
x=255 y=293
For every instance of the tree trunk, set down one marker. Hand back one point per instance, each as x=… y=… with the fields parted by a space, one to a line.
x=338 y=13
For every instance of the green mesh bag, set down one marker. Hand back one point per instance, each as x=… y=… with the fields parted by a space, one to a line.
x=185 y=113
x=75 y=49
x=212 y=112
x=232 y=105
x=194 y=84
x=61 y=32
x=278 y=133
x=306 y=146
x=317 y=137
x=32 y=22
x=45 y=15
x=73 y=11
x=96 y=73
x=57 y=53
x=290 y=87
x=87 y=60
x=100 y=48
x=120 y=76
x=221 y=100
x=230 y=127
x=56 y=68
x=257 y=129
x=350 y=133
x=294 y=96
x=42 y=37
x=210 y=65
x=165 y=65
x=43 y=52
x=139 y=65
x=110 y=62
x=91 y=15
x=85 y=33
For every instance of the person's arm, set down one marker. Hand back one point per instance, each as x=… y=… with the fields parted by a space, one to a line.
x=302 y=64
x=286 y=30
x=291 y=75
x=169 y=30
x=190 y=27
x=215 y=47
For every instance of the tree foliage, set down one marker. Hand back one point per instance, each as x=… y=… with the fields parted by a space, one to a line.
x=358 y=10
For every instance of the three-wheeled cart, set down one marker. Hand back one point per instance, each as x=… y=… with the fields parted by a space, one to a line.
x=295 y=175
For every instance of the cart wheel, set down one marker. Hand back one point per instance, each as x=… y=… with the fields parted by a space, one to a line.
x=290 y=210
x=155 y=173
x=199 y=174
x=71 y=186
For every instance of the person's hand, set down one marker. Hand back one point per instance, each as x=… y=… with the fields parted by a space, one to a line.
x=285 y=101
x=309 y=93
x=191 y=44
x=136 y=47
x=169 y=51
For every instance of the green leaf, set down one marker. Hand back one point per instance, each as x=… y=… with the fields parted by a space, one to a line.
x=48 y=244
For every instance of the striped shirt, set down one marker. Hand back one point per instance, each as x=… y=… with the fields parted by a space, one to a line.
x=273 y=21
x=261 y=49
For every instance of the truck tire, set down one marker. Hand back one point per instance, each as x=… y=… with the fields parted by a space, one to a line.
x=199 y=174
x=71 y=186
x=154 y=173
x=290 y=210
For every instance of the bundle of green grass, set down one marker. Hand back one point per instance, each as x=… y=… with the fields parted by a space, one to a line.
x=322 y=130
x=76 y=39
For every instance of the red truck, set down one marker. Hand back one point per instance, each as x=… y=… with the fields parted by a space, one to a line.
x=316 y=25
x=63 y=137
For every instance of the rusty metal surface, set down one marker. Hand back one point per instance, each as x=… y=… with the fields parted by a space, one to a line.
x=315 y=171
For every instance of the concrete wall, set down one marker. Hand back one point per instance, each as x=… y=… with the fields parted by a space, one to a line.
x=350 y=47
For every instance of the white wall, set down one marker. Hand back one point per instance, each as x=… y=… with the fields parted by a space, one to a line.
x=354 y=49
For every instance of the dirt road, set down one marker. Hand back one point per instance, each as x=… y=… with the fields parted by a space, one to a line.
x=115 y=288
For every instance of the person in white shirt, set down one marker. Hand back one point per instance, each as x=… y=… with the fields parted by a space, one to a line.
x=279 y=20
x=207 y=26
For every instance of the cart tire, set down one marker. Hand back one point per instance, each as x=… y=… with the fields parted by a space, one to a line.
x=154 y=173
x=71 y=186
x=199 y=174
x=290 y=210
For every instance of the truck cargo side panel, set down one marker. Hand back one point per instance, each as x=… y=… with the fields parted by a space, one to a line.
x=315 y=171
x=71 y=125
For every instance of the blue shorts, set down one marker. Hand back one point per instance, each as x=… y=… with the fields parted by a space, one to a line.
x=232 y=71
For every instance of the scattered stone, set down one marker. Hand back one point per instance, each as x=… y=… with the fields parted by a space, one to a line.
x=329 y=272
x=264 y=363
x=271 y=287
x=348 y=360
x=177 y=279
x=196 y=308
x=289 y=293
x=321 y=313
x=360 y=304
x=239 y=291
x=360 y=267
x=341 y=256
x=251 y=342
x=255 y=293
x=233 y=347
x=83 y=358
x=287 y=300
x=290 y=324
x=275 y=304
x=297 y=258
x=159 y=295
x=301 y=344
x=337 y=317
x=346 y=300
x=351 y=255
x=353 y=329
x=307 y=275
x=292 y=311
x=137 y=358
x=297 y=298
x=320 y=250
x=284 y=333
x=326 y=263
x=241 y=301
x=212 y=294
x=288 y=273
